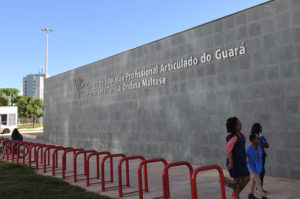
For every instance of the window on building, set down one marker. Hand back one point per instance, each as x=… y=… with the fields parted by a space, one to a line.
x=3 y=119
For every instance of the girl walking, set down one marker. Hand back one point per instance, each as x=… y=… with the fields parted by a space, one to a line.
x=236 y=155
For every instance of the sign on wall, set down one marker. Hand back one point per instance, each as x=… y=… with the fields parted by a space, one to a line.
x=149 y=76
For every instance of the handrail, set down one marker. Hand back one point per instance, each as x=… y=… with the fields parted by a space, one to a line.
x=165 y=176
x=210 y=167
x=127 y=172
x=144 y=163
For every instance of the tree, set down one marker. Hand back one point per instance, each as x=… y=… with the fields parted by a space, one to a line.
x=3 y=100
x=30 y=108
x=11 y=94
x=24 y=106
x=38 y=109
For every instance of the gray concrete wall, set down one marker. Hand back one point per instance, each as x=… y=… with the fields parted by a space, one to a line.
x=184 y=117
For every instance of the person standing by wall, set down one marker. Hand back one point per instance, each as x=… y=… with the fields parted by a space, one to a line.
x=263 y=143
x=254 y=154
x=236 y=155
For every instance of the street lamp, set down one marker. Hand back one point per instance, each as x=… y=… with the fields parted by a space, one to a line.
x=47 y=31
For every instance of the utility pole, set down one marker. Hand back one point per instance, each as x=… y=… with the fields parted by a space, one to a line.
x=46 y=64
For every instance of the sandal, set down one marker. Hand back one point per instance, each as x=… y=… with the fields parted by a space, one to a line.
x=233 y=194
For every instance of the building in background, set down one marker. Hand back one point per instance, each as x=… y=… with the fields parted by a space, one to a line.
x=171 y=98
x=33 y=85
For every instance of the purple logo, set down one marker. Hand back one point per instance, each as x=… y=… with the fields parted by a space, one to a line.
x=79 y=84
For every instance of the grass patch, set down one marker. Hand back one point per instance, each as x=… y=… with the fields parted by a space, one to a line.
x=18 y=181
x=29 y=125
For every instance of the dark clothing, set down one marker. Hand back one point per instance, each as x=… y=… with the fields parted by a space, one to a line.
x=262 y=140
x=16 y=136
x=262 y=174
x=240 y=168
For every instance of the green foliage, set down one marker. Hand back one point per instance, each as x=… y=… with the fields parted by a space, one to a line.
x=3 y=99
x=29 y=107
x=18 y=181
x=38 y=107
x=25 y=108
x=11 y=94
x=29 y=125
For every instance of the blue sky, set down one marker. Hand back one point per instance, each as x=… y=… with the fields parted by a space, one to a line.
x=89 y=30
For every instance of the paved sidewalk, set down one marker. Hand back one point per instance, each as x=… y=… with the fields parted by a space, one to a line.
x=37 y=129
x=33 y=133
x=207 y=182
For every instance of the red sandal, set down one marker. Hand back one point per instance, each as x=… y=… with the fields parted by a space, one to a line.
x=233 y=194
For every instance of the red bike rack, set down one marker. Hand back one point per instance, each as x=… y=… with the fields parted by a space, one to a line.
x=39 y=147
x=111 y=156
x=64 y=160
x=84 y=162
x=9 y=148
x=33 y=146
x=47 y=154
x=24 y=144
x=17 y=146
x=194 y=175
x=55 y=157
x=144 y=163
x=2 y=140
x=165 y=176
x=14 y=143
x=15 y=150
x=127 y=173
x=87 y=168
x=45 y=151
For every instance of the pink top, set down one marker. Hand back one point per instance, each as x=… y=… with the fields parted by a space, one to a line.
x=230 y=144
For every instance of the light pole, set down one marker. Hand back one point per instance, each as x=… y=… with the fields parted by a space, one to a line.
x=47 y=31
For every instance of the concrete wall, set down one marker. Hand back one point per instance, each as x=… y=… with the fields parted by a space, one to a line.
x=184 y=117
